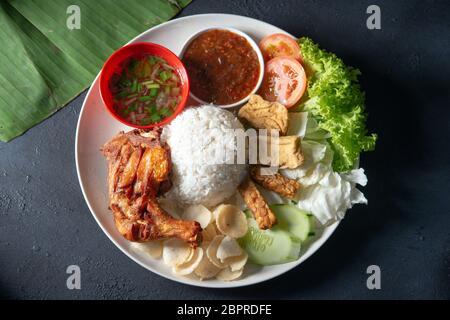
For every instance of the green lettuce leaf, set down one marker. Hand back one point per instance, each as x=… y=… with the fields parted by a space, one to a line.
x=336 y=101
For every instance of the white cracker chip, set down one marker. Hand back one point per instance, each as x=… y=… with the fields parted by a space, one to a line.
x=228 y=275
x=211 y=252
x=205 y=269
x=231 y=221
x=209 y=232
x=176 y=252
x=152 y=248
x=198 y=213
x=228 y=248
x=189 y=266
x=237 y=263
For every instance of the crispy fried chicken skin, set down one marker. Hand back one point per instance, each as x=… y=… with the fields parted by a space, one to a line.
x=139 y=166
x=256 y=203
x=278 y=183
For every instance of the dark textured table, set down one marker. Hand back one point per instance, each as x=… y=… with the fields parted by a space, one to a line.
x=45 y=224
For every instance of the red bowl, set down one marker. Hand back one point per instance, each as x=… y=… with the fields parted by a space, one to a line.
x=112 y=66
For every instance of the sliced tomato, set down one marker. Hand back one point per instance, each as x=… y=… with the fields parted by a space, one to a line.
x=280 y=45
x=284 y=81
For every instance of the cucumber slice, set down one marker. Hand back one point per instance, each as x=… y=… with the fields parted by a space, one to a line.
x=269 y=247
x=291 y=218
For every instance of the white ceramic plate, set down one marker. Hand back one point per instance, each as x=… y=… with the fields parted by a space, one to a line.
x=96 y=126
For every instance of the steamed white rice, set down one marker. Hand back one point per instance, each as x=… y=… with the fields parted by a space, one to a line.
x=202 y=140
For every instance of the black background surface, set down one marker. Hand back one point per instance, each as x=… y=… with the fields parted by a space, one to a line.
x=45 y=224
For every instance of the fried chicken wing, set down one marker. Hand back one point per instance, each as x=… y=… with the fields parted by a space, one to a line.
x=278 y=183
x=256 y=203
x=139 y=166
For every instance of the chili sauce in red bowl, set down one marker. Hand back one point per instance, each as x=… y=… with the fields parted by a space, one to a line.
x=225 y=66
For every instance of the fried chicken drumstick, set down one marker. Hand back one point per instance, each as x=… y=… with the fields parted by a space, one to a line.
x=139 y=166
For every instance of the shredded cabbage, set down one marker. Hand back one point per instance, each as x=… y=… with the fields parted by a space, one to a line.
x=325 y=193
x=336 y=101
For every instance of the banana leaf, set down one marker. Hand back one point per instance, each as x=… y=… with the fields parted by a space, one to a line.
x=48 y=56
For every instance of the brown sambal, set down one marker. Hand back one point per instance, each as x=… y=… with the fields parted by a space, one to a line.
x=223 y=67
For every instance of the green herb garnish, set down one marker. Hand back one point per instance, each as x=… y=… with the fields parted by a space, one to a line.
x=133 y=64
x=134 y=86
x=153 y=92
x=155 y=117
x=165 y=75
x=122 y=94
x=165 y=112
x=146 y=121
x=133 y=107
x=125 y=112
x=145 y=98
x=151 y=109
x=152 y=85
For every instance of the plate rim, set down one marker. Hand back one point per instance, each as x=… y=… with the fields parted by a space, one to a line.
x=204 y=284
